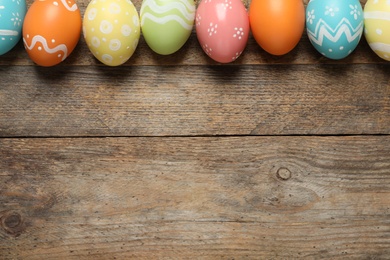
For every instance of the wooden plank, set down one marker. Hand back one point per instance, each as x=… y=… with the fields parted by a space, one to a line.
x=196 y=100
x=184 y=198
x=192 y=54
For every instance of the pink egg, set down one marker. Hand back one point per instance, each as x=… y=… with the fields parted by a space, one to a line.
x=222 y=28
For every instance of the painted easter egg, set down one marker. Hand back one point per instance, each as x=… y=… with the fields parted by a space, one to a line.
x=377 y=27
x=222 y=28
x=51 y=30
x=111 y=29
x=11 y=21
x=334 y=27
x=167 y=24
x=277 y=25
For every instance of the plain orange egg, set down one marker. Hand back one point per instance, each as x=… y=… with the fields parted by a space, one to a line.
x=277 y=25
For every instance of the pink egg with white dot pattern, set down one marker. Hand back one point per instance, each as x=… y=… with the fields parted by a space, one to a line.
x=222 y=28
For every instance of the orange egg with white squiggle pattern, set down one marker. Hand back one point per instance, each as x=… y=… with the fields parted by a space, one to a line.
x=51 y=31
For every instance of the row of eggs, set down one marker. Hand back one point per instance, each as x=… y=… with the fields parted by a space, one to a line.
x=111 y=28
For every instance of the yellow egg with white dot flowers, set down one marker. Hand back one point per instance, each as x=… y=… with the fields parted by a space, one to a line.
x=111 y=29
x=377 y=27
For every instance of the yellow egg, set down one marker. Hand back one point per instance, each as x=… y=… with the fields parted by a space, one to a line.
x=377 y=27
x=111 y=30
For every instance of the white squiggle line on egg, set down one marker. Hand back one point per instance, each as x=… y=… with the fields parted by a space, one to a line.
x=165 y=19
x=9 y=32
x=323 y=30
x=39 y=38
x=377 y=46
x=377 y=15
x=70 y=8
x=180 y=6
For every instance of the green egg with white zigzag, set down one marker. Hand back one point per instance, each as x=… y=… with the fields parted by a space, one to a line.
x=167 y=24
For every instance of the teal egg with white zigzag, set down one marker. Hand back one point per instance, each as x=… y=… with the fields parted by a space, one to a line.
x=167 y=24
x=334 y=27
x=12 y=13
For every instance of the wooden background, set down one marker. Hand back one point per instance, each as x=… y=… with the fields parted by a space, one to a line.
x=180 y=157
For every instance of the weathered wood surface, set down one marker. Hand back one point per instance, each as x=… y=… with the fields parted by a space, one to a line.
x=188 y=94
x=180 y=157
x=237 y=197
x=196 y=100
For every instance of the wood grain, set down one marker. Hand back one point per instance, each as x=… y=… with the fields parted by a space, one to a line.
x=202 y=100
x=238 y=197
x=179 y=157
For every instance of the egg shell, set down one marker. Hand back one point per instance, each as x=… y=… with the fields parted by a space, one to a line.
x=277 y=25
x=12 y=14
x=51 y=31
x=167 y=24
x=377 y=27
x=334 y=27
x=111 y=30
x=222 y=28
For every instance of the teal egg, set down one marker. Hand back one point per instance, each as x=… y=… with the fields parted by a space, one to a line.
x=12 y=13
x=167 y=24
x=334 y=27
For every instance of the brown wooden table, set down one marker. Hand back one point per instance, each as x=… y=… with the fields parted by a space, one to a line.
x=180 y=157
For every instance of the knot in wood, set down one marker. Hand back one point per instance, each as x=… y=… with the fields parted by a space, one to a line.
x=12 y=223
x=283 y=174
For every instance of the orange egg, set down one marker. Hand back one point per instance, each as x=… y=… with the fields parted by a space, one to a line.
x=277 y=25
x=51 y=30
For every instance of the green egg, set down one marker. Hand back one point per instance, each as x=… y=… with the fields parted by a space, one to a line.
x=167 y=24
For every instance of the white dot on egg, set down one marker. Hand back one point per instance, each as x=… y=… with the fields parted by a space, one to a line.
x=107 y=58
x=93 y=29
x=59 y=56
x=55 y=3
x=28 y=36
x=104 y=39
x=3 y=38
x=39 y=48
x=378 y=31
x=53 y=41
x=341 y=48
x=136 y=20
x=126 y=30
x=330 y=50
x=116 y=21
x=135 y=44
